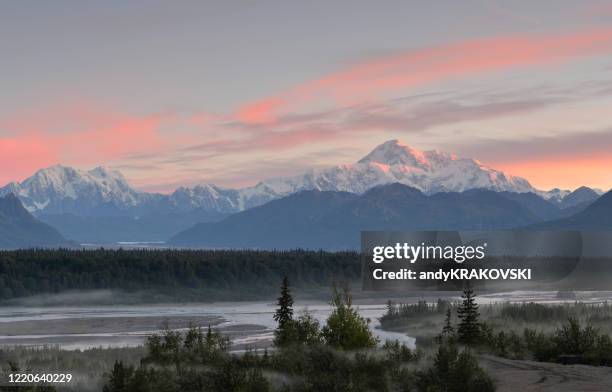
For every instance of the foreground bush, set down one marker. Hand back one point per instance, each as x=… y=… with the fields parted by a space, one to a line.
x=345 y=328
x=454 y=371
x=570 y=343
x=341 y=356
x=200 y=361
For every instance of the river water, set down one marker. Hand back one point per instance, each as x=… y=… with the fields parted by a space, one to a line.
x=246 y=323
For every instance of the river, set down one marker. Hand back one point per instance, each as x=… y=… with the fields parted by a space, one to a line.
x=248 y=324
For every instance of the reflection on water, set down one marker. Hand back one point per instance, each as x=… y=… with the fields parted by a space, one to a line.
x=246 y=323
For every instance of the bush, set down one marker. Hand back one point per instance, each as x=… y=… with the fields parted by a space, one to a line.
x=454 y=371
x=346 y=329
x=570 y=343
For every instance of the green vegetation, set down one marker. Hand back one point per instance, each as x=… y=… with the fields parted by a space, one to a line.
x=88 y=367
x=13 y=367
x=173 y=365
x=197 y=274
x=570 y=342
x=286 y=331
x=346 y=329
x=290 y=331
x=468 y=331
x=454 y=371
x=563 y=333
x=400 y=315
x=340 y=356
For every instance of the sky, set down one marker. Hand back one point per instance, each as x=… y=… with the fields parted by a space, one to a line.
x=231 y=93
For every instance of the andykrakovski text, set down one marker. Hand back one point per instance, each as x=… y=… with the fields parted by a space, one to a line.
x=493 y=260
x=409 y=253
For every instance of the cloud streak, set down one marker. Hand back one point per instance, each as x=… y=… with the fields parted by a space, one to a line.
x=546 y=161
x=412 y=68
x=78 y=134
x=354 y=103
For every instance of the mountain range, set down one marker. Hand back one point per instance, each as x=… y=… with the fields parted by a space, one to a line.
x=333 y=220
x=597 y=216
x=99 y=205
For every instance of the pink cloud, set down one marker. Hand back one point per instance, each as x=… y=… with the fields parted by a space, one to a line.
x=399 y=71
x=72 y=135
x=333 y=106
x=260 y=112
x=21 y=155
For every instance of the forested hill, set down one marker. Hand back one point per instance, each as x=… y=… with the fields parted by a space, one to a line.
x=215 y=274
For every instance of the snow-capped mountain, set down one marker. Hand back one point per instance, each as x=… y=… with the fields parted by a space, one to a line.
x=396 y=162
x=224 y=200
x=554 y=195
x=206 y=196
x=61 y=189
x=100 y=206
x=101 y=191
x=390 y=162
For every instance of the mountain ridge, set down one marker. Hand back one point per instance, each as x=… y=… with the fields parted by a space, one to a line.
x=99 y=205
x=102 y=191
x=332 y=220
x=596 y=216
x=19 y=229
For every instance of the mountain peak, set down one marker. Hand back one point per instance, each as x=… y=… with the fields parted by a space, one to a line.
x=105 y=172
x=64 y=189
x=393 y=152
x=57 y=168
x=396 y=152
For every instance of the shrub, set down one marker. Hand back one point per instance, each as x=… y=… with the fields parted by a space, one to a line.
x=346 y=329
x=454 y=371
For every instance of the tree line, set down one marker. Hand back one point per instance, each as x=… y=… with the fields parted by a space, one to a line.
x=229 y=274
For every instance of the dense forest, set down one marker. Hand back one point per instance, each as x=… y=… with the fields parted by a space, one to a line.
x=222 y=273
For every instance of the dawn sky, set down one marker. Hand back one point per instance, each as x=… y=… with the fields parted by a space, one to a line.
x=185 y=92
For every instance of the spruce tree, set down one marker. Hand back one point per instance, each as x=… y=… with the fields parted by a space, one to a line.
x=448 y=330
x=284 y=315
x=469 y=328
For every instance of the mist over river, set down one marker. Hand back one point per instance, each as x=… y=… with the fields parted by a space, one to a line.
x=248 y=324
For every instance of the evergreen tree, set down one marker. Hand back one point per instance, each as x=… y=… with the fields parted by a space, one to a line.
x=284 y=313
x=284 y=333
x=469 y=327
x=448 y=330
x=119 y=378
x=454 y=371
